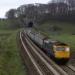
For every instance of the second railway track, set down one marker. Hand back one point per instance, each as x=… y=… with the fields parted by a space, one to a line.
x=69 y=69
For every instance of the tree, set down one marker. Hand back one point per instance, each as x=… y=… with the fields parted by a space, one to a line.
x=11 y=14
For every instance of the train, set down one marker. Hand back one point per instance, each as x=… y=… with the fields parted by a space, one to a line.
x=58 y=51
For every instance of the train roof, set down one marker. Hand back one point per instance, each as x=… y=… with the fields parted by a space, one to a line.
x=38 y=34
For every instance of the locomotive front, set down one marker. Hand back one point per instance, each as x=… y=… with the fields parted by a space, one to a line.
x=62 y=52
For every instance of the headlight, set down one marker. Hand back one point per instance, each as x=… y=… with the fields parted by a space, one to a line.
x=67 y=49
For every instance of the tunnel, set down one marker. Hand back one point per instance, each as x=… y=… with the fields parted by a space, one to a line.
x=30 y=24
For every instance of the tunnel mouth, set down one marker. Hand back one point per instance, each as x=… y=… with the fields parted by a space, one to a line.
x=30 y=24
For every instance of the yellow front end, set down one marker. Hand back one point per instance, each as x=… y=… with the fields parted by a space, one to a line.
x=62 y=52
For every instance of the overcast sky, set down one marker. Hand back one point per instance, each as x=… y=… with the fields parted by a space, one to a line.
x=5 y=5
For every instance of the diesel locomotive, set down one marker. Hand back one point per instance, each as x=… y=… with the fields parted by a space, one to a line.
x=56 y=50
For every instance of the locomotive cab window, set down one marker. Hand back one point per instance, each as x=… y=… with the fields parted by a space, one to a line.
x=60 y=48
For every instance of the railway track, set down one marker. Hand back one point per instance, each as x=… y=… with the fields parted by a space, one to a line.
x=42 y=63
x=24 y=52
x=69 y=69
x=45 y=69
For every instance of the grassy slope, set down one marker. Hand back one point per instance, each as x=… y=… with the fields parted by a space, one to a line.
x=10 y=61
x=4 y=24
x=65 y=34
x=66 y=27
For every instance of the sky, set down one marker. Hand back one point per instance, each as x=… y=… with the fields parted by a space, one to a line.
x=6 y=5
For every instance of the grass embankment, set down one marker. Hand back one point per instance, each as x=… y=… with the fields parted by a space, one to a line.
x=66 y=34
x=10 y=60
x=4 y=24
x=65 y=27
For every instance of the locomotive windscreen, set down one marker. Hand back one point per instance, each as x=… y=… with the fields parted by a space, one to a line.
x=64 y=48
x=60 y=48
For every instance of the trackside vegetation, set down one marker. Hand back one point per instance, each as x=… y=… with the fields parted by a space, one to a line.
x=10 y=60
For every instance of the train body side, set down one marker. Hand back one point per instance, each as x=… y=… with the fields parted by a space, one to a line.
x=36 y=37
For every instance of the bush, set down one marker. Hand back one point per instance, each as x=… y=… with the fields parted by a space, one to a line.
x=55 y=28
